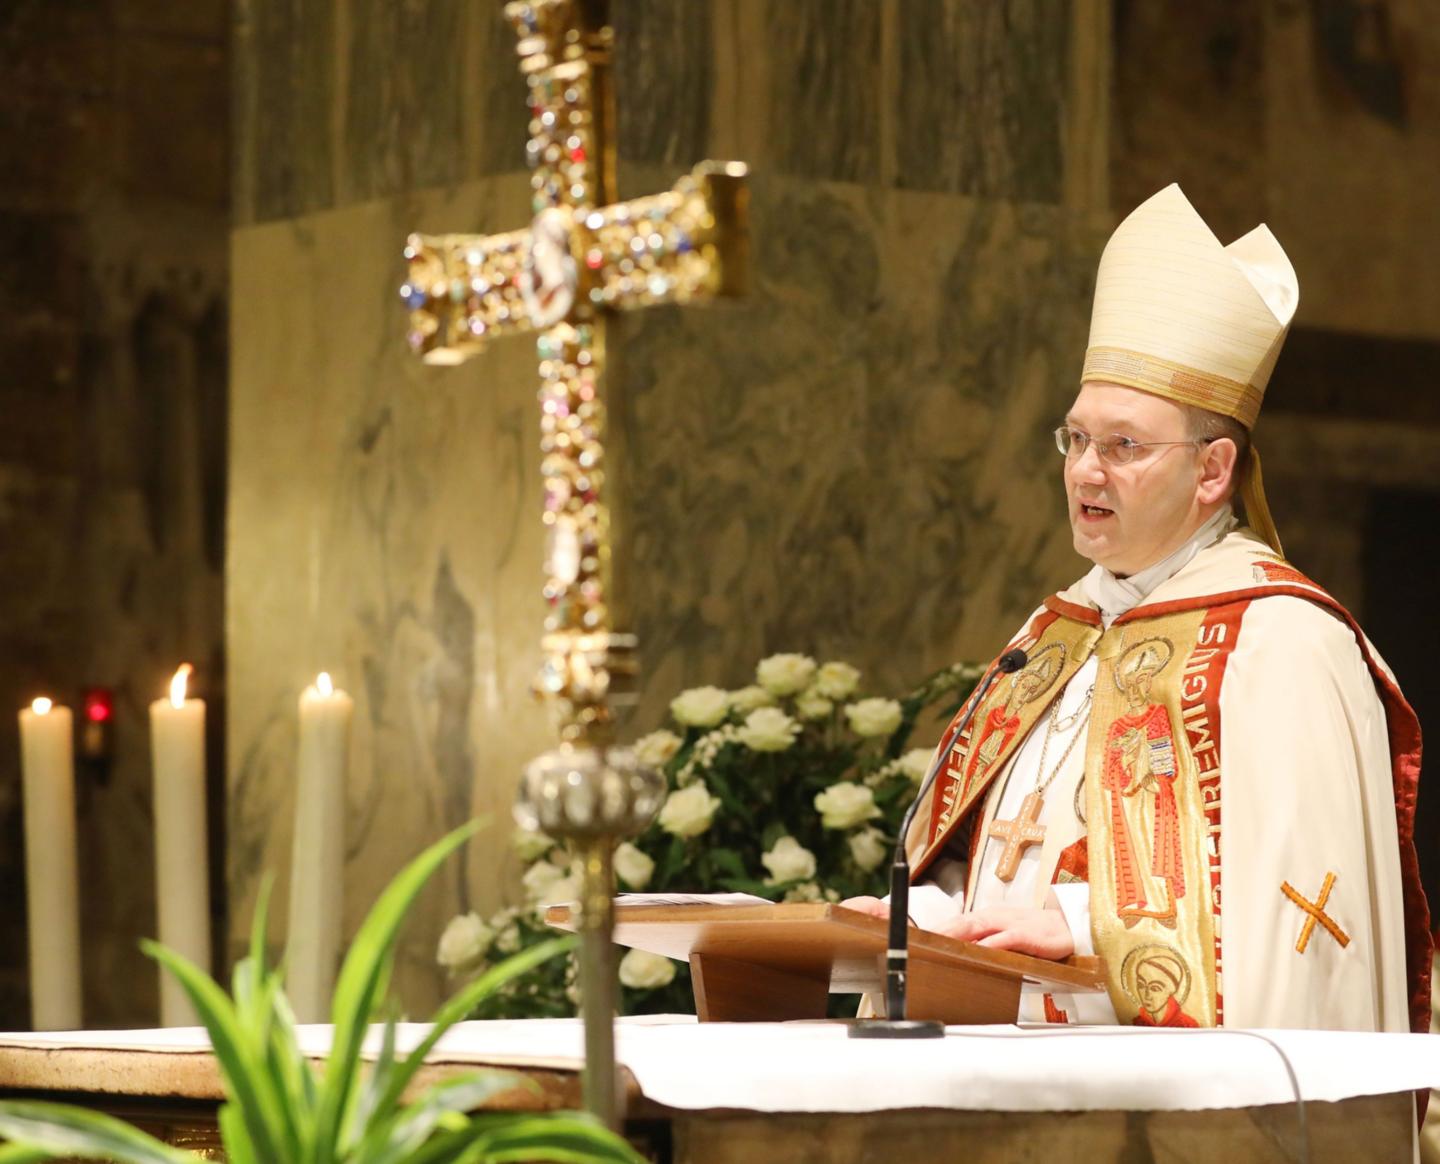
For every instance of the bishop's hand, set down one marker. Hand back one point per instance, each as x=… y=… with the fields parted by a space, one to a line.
x=1041 y=932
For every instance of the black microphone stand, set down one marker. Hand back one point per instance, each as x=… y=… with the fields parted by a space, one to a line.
x=895 y=1025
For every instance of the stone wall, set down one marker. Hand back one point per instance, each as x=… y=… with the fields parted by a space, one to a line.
x=113 y=367
x=849 y=462
x=854 y=461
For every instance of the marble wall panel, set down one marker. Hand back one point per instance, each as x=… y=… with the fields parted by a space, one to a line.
x=850 y=463
x=979 y=97
x=663 y=57
x=343 y=102
x=900 y=407
x=820 y=65
x=1352 y=160
x=384 y=526
x=1320 y=118
x=853 y=461
x=285 y=79
x=1189 y=86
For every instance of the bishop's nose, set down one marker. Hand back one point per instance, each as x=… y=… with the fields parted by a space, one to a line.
x=1088 y=466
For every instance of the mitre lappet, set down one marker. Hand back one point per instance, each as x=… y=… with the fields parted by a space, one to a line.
x=1182 y=316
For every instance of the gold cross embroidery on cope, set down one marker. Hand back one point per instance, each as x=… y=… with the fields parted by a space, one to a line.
x=1315 y=913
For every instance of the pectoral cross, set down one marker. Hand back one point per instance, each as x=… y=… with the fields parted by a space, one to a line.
x=1018 y=834
x=579 y=260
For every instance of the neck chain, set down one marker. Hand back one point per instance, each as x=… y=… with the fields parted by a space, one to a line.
x=1026 y=830
x=1079 y=716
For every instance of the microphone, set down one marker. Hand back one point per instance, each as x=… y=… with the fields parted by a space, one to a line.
x=895 y=1025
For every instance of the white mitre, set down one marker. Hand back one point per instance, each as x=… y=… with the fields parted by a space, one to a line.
x=1180 y=315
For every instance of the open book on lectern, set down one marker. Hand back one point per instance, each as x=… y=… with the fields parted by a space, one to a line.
x=930 y=906
x=752 y=960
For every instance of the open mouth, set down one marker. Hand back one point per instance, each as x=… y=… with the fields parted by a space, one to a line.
x=1094 y=511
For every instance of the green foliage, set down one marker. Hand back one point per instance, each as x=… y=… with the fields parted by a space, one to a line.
x=764 y=777
x=279 y=1110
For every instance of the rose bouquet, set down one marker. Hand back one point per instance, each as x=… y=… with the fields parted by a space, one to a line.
x=791 y=788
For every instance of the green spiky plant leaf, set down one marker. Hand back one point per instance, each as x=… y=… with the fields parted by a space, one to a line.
x=278 y=1110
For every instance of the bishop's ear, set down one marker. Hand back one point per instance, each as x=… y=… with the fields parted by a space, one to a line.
x=1218 y=471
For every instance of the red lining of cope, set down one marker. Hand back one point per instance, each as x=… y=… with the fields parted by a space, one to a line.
x=1072 y=610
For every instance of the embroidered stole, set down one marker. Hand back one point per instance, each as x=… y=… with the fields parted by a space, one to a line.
x=1152 y=792
x=1152 y=798
x=1056 y=647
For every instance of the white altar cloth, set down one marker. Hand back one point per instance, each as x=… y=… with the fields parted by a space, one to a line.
x=814 y=1067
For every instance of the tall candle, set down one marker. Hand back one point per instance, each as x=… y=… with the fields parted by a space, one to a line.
x=177 y=749
x=318 y=854
x=47 y=760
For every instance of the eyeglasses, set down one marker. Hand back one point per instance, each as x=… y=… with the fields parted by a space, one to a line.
x=1118 y=450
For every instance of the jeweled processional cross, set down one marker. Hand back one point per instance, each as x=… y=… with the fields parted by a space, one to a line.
x=582 y=258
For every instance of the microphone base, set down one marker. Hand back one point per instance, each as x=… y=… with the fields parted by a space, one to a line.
x=897 y=1029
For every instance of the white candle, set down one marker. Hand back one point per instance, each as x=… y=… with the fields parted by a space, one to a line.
x=51 y=880
x=318 y=855
x=177 y=749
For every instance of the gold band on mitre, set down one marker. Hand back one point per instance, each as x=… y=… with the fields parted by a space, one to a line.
x=1174 y=381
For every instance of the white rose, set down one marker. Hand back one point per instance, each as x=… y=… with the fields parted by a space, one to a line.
x=700 y=707
x=811 y=705
x=915 y=763
x=465 y=941
x=747 y=699
x=507 y=940
x=687 y=812
x=785 y=674
x=868 y=848
x=804 y=893
x=768 y=729
x=530 y=844
x=845 y=805
x=837 y=681
x=788 y=860
x=642 y=970
x=873 y=717
x=632 y=866
x=539 y=878
x=657 y=749
x=564 y=891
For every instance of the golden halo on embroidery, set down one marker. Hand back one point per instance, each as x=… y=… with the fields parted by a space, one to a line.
x=1152 y=974
x=1038 y=675
x=1141 y=662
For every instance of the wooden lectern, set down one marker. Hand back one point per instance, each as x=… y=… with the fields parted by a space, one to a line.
x=769 y=963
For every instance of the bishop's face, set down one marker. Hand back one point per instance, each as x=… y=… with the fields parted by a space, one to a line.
x=1128 y=517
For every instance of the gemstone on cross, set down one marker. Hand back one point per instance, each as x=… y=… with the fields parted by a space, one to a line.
x=1018 y=834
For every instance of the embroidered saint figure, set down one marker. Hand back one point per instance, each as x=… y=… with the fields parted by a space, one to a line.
x=1139 y=784
x=1158 y=980
x=1003 y=720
